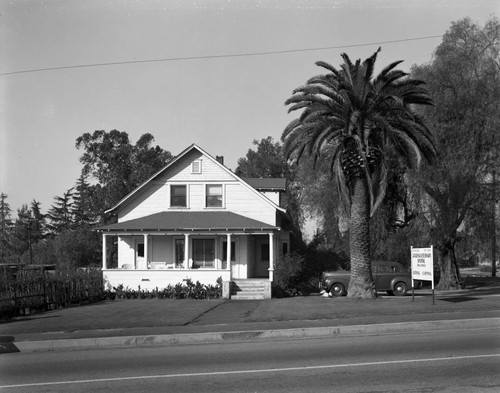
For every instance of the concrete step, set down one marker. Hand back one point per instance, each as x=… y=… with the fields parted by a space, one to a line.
x=248 y=297
x=248 y=289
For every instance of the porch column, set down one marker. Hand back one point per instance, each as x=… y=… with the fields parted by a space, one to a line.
x=228 y=253
x=104 y=262
x=146 y=248
x=271 y=257
x=186 y=251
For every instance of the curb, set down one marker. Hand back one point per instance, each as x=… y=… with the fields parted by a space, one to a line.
x=242 y=336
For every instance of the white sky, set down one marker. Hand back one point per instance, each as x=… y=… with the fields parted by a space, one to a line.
x=222 y=103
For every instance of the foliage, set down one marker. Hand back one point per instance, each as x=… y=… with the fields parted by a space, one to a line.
x=463 y=77
x=268 y=161
x=5 y=225
x=61 y=213
x=187 y=290
x=288 y=272
x=117 y=166
x=352 y=123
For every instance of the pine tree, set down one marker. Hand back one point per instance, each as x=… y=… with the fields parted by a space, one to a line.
x=5 y=227
x=60 y=213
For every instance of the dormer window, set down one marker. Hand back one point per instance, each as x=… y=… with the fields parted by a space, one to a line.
x=196 y=166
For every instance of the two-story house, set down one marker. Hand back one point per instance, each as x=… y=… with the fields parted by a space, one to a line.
x=196 y=219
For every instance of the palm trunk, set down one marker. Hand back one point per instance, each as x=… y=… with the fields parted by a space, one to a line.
x=361 y=284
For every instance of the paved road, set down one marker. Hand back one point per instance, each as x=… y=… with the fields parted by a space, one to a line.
x=446 y=361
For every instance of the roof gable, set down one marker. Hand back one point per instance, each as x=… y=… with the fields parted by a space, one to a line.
x=193 y=149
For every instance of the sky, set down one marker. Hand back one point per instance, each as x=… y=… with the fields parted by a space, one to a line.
x=211 y=72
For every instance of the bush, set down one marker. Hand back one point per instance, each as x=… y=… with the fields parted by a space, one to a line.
x=288 y=272
x=189 y=290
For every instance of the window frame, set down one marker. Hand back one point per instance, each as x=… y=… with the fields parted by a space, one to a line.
x=222 y=201
x=199 y=170
x=206 y=263
x=178 y=206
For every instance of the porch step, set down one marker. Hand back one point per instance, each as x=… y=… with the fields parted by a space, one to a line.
x=250 y=289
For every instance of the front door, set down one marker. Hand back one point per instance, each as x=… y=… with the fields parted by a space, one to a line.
x=261 y=269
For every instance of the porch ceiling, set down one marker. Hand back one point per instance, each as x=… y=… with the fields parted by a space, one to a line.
x=189 y=221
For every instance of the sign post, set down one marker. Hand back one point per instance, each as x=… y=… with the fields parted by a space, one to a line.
x=422 y=267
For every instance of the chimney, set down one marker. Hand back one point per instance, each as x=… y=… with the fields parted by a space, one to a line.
x=220 y=159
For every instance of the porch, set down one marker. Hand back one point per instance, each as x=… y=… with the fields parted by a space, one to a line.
x=153 y=260
x=167 y=248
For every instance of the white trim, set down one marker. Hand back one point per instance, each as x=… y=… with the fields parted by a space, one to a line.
x=223 y=187
x=188 y=192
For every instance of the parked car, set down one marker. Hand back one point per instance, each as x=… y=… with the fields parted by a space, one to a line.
x=391 y=277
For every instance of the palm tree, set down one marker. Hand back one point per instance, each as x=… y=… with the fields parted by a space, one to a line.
x=350 y=121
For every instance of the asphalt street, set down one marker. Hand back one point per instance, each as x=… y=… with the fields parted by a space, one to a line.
x=445 y=361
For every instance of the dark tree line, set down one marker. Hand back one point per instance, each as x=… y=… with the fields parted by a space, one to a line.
x=112 y=167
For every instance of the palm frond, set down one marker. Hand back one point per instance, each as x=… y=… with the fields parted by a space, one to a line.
x=327 y=66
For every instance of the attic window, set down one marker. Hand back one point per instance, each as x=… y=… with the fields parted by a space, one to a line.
x=196 y=167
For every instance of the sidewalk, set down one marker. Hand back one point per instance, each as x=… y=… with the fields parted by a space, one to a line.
x=161 y=322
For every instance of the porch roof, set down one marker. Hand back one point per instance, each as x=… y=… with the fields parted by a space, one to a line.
x=189 y=221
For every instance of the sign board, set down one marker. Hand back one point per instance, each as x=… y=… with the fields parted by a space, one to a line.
x=422 y=264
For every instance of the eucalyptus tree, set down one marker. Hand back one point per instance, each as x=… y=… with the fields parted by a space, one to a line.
x=351 y=120
x=464 y=78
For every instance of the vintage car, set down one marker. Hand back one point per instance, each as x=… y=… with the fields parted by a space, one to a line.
x=391 y=277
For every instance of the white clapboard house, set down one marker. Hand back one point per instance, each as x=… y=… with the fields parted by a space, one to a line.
x=189 y=220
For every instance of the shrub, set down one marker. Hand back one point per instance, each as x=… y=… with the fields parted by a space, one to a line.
x=187 y=290
x=288 y=272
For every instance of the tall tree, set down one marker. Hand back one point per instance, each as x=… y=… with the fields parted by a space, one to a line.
x=464 y=79
x=265 y=162
x=5 y=227
x=83 y=211
x=38 y=222
x=115 y=166
x=351 y=120
x=268 y=161
x=21 y=239
x=60 y=213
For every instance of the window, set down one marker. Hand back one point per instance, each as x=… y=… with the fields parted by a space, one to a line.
x=179 y=252
x=178 y=196
x=196 y=167
x=203 y=253
x=285 y=248
x=140 y=250
x=214 y=195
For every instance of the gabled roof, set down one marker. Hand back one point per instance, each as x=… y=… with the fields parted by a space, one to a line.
x=266 y=184
x=189 y=221
x=176 y=159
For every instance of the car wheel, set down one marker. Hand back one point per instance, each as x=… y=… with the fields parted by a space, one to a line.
x=400 y=289
x=338 y=289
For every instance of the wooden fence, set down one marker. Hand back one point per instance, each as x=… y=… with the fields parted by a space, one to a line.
x=25 y=291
